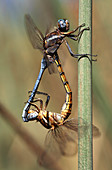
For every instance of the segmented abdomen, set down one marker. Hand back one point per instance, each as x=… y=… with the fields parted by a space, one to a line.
x=66 y=109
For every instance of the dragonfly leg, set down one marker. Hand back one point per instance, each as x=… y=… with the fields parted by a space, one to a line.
x=79 y=27
x=70 y=32
x=78 y=55
x=69 y=49
x=86 y=55
x=39 y=100
x=80 y=32
x=47 y=100
x=46 y=103
x=34 y=105
x=78 y=36
x=36 y=100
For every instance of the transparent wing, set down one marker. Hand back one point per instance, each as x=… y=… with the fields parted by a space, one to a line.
x=66 y=140
x=51 y=147
x=52 y=68
x=74 y=124
x=34 y=34
x=63 y=139
x=59 y=141
x=50 y=65
x=36 y=39
x=48 y=30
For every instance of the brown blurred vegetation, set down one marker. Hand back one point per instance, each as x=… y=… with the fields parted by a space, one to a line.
x=19 y=67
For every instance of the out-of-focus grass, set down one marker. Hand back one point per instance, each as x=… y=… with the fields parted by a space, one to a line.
x=19 y=67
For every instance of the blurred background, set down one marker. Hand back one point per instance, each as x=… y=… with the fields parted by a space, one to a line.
x=19 y=67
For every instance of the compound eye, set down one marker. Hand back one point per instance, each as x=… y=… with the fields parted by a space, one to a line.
x=63 y=25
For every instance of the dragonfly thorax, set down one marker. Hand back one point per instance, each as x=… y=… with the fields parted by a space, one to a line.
x=58 y=118
x=63 y=25
x=50 y=118
x=32 y=114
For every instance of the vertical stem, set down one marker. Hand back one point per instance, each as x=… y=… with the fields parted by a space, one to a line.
x=85 y=152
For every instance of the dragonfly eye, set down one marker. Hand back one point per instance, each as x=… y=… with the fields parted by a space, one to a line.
x=63 y=25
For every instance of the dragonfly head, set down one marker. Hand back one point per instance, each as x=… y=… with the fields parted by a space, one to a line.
x=32 y=115
x=63 y=25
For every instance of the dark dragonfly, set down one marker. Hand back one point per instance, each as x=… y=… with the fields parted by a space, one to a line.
x=49 y=45
x=62 y=136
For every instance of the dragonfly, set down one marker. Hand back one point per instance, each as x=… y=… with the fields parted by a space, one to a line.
x=62 y=136
x=48 y=45
x=61 y=139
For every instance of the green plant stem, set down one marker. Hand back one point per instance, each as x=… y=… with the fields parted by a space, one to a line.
x=85 y=155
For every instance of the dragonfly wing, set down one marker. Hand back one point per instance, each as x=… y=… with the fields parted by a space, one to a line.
x=51 y=68
x=50 y=64
x=49 y=26
x=58 y=142
x=63 y=139
x=63 y=143
x=34 y=34
x=74 y=124
x=51 y=147
x=36 y=39
x=67 y=140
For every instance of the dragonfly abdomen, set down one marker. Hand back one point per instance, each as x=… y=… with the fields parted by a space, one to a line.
x=67 y=106
x=66 y=109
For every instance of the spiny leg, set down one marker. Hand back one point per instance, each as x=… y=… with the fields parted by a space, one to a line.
x=78 y=36
x=34 y=106
x=46 y=103
x=78 y=55
x=79 y=27
x=47 y=100
x=70 y=32
x=36 y=100
x=69 y=49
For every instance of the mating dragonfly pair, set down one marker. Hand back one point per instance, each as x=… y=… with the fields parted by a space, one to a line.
x=62 y=131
